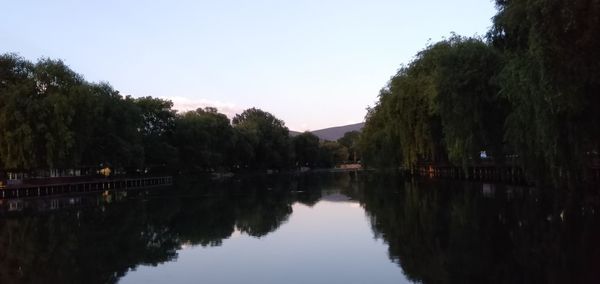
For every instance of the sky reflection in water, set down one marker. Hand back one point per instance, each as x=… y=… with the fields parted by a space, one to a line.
x=330 y=242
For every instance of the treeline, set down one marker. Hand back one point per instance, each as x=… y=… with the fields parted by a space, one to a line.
x=51 y=118
x=527 y=94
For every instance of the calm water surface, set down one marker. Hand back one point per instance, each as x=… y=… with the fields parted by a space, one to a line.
x=319 y=228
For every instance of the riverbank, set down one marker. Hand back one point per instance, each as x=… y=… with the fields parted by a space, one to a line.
x=81 y=185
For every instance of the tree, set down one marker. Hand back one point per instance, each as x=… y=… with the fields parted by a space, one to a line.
x=551 y=80
x=17 y=88
x=306 y=149
x=268 y=138
x=203 y=139
x=471 y=111
x=158 y=125
x=116 y=137
x=443 y=106
x=331 y=153
x=350 y=141
x=408 y=115
x=51 y=118
x=379 y=141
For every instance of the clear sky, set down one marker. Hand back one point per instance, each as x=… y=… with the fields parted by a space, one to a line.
x=314 y=64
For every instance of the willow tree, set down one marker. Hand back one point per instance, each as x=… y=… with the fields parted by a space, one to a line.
x=36 y=113
x=379 y=141
x=442 y=105
x=56 y=86
x=551 y=79
x=16 y=133
x=406 y=116
x=413 y=108
x=471 y=111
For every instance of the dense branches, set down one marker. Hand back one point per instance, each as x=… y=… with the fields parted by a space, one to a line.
x=528 y=92
x=51 y=118
x=442 y=105
x=551 y=78
x=268 y=138
x=203 y=138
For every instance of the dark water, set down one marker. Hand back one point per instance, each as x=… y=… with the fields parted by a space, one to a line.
x=320 y=228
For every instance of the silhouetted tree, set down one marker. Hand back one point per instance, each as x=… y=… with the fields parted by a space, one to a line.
x=306 y=149
x=266 y=137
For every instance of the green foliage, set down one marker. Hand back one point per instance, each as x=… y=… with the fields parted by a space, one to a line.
x=551 y=79
x=526 y=93
x=443 y=106
x=116 y=123
x=158 y=116
x=306 y=148
x=332 y=153
x=411 y=106
x=51 y=118
x=264 y=138
x=350 y=141
x=158 y=119
x=310 y=152
x=379 y=142
x=203 y=138
x=471 y=111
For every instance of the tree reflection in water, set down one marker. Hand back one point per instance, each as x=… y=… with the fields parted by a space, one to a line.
x=456 y=232
x=437 y=231
x=99 y=244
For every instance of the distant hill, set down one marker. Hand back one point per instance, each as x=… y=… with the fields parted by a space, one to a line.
x=333 y=133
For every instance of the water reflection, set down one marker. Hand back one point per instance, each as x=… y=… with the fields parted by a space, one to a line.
x=448 y=232
x=451 y=232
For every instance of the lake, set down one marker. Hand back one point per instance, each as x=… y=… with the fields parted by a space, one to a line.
x=352 y=227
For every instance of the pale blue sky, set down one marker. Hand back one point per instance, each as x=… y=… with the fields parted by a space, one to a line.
x=313 y=64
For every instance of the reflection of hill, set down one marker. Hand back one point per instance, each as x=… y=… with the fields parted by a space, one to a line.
x=336 y=197
x=452 y=233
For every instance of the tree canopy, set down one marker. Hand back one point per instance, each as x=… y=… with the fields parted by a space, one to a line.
x=443 y=106
x=526 y=93
x=266 y=138
x=51 y=118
